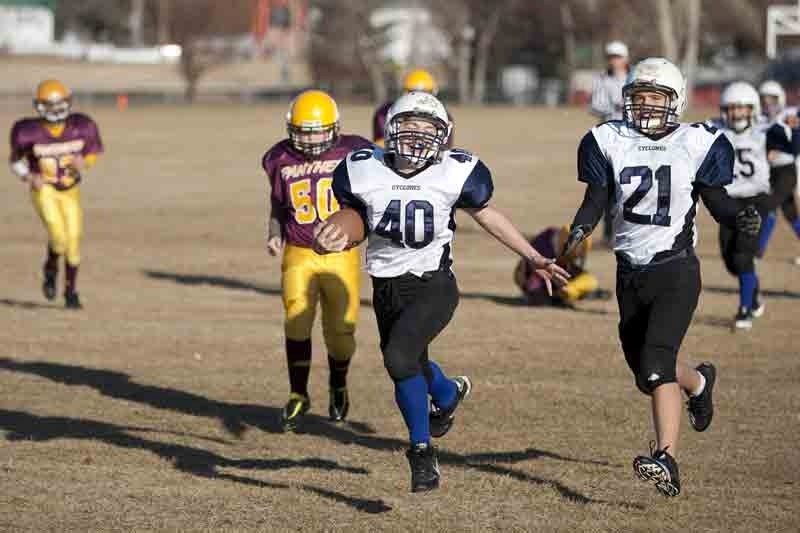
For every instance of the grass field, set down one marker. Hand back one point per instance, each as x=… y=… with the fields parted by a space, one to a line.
x=157 y=407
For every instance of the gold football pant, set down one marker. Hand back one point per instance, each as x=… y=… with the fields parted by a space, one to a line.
x=334 y=281
x=579 y=286
x=62 y=216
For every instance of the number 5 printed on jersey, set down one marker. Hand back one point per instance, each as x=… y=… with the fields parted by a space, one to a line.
x=303 y=204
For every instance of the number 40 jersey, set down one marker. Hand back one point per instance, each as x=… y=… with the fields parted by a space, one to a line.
x=652 y=180
x=410 y=217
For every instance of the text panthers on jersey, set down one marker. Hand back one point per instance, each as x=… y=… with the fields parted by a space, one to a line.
x=411 y=217
x=653 y=202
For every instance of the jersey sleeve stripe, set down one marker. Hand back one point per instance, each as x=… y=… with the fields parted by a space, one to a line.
x=716 y=170
x=593 y=166
x=478 y=188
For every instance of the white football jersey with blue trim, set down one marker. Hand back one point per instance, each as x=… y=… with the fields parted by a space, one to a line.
x=751 y=171
x=410 y=219
x=653 y=197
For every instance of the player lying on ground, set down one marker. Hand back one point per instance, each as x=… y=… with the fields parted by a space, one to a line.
x=782 y=160
x=300 y=170
x=754 y=145
x=406 y=195
x=582 y=286
x=649 y=170
x=50 y=153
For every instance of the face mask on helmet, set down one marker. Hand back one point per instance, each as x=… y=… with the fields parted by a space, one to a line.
x=53 y=110
x=313 y=141
x=738 y=117
x=649 y=108
x=416 y=140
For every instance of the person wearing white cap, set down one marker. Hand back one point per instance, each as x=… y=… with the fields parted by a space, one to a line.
x=607 y=98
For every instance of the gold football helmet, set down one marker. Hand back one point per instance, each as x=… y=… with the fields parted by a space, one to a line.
x=53 y=101
x=313 y=122
x=420 y=80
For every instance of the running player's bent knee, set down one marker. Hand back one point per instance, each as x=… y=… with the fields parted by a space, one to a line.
x=742 y=263
x=657 y=368
x=341 y=345
x=400 y=365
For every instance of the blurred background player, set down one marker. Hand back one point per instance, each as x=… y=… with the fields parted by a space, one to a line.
x=300 y=170
x=582 y=284
x=416 y=80
x=654 y=169
x=409 y=257
x=783 y=165
x=50 y=153
x=607 y=100
x=740 y=110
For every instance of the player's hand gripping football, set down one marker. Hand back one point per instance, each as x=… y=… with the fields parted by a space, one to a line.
x=329 y=238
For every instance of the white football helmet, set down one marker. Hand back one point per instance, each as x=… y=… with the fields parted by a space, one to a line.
x=617 y=48
x=772 y=88
x=426 y=131
x=654 y=74
x=739 y=93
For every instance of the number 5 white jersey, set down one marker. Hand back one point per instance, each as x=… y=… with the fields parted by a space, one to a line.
x=751 y=172
x=410 y=217
x=652 y=182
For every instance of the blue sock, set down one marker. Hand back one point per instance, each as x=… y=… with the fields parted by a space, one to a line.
x=411 y=395
x=747 y=286
x=442 y=389
x=766 y=232
x=796 y=227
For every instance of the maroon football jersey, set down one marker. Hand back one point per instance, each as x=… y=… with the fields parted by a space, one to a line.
x=301 y=187
x=50 y=156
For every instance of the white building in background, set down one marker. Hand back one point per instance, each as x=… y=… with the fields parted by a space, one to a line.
x=26 y=27
x=413 y=37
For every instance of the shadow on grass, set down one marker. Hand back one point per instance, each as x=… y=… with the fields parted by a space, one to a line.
x=24 y=304
x=238 y=417
x=518 y=301
x=222 y=282
x=769 y=293
x=198 y=462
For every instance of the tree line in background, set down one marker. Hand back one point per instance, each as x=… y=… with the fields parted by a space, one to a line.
x=555 y=36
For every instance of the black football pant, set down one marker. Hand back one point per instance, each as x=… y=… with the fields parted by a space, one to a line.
x=739 y=251
x=656 y=304
x=411 y=311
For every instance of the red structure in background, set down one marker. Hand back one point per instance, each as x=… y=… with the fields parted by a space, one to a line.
x=279 y=23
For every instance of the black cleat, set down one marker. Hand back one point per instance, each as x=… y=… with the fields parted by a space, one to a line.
x=72 y=301
x=660 y=469
x=49 y=287
x=424 y=467
x=297 y=406
x=441 y=420
x=743 y=319
x=701 y=407
x=340 y=404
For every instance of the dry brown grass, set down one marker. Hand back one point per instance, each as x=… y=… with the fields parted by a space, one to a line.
x=156 y=407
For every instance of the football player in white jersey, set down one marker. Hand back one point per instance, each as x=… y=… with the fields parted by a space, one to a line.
x=406 y=195
x=740 y=110
x=782 y=128
x=649 y=170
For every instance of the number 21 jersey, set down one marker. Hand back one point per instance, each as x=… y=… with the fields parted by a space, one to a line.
x=652 y=195
x=410 y=218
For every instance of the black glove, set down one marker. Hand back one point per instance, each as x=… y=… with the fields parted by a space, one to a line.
x=748 y=221
x=576 y=236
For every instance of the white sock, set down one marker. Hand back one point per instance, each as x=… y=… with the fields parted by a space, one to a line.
x=699 y=390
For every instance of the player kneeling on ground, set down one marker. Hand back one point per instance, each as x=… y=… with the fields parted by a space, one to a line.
x=405 y=196
x=50 y=153
x=582 y=286
x=649 y=170
x=300 y=171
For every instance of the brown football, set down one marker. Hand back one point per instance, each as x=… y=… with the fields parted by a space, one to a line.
x=351 y=223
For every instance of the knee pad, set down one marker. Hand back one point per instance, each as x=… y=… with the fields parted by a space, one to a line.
x=657 y=367
x=58 y=243
x=299 y=321
x=400 y=365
